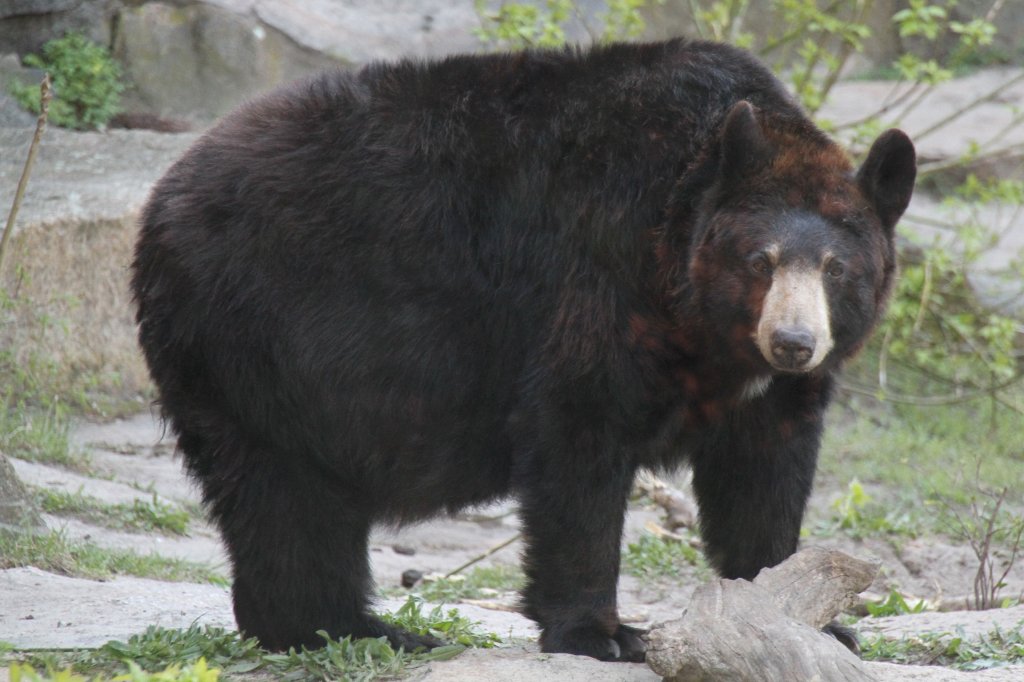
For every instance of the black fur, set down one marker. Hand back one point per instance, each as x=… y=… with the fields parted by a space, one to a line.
x=377 y=296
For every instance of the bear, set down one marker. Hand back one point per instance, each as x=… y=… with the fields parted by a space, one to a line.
x=378 y=295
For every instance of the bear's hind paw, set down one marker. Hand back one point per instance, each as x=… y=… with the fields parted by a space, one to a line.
x=625 y=646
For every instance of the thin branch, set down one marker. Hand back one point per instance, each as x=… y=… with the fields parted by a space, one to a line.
x=952 y=116
x=939 y=166
x=498 y=547
x=935 y=400
x=44 y=111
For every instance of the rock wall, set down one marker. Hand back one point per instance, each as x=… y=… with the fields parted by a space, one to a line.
x=67 y=267
x=200 y=58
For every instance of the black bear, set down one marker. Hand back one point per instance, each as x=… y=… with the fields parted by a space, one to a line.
x=376 y=296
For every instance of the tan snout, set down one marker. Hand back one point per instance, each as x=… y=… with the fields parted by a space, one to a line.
x=794 y=333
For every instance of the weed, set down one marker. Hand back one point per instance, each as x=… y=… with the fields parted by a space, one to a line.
x=859 y=515
x=54 y=552
x=984 y=528
x=179 y=652
x=894 y=605
x=652 y=557
x=38 y=434
x=196 y=672
x=956 y=651
x=447 y=625
x=86 y=81
x=140 y=515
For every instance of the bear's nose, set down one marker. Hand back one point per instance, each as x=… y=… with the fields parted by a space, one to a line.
x=792 y=347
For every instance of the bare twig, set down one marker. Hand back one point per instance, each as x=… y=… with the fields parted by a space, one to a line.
x=952 y=116
x=480 y=557
x=44 y=111
x=934 y=400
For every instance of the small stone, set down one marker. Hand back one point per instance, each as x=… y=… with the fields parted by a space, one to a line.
x=411 y=577
x=404 y=549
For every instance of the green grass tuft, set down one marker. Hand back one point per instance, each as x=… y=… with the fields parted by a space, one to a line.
x=140 y=515
x=653 y=557
x=55 y=553
x=158 y=653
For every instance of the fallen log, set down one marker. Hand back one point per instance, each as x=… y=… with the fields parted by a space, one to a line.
x=768 y=629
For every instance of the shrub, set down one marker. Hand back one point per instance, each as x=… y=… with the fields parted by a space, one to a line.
x=87 y=83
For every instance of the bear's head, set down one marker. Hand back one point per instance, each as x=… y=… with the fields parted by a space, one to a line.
x=791 y=254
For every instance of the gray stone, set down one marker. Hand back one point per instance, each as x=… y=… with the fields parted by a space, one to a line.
x=518 y=664
x=12 y=115
x=892 y=672
x=40 y=609
x=26 y=25
x=69 y=255
x=204 y=60
x=971 y=625
x=17 y=8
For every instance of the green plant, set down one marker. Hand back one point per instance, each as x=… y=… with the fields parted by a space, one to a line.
x=447 y=625
x=987 y=527
x=38 y=434
x=143 y=515
x=893 y=605
x=196 y=672
x=472 y=585
x=543 y=23
x=56 y=553
x=946 y=649
x=200 y=653
x=652 y=557
x=87 y=82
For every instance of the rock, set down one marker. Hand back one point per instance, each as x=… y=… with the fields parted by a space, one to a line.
x=411 y=577
x=26 y=24
x=516 y=664
x=891 y=672
x=12 y=115
x=203 y=60
x=969 y=624
x=16 y=8
x=40 y=609
x=67 y=262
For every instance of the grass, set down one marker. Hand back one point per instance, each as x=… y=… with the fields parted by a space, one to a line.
x=995 y=649
x=38 y=434
x=160 y=649
x=655 y=557
x=923 y=465
x=55 y=553
x=140 y=515
x=482 y=581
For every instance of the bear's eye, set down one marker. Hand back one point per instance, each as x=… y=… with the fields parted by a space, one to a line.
x=835 y=269
x=761 y=264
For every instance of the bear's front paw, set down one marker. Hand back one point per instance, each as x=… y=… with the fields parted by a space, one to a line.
x=625 y=646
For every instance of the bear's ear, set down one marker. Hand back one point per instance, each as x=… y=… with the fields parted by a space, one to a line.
x=744 y=147
x=887 y=175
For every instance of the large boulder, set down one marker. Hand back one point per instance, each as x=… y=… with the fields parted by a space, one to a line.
x=201 y=60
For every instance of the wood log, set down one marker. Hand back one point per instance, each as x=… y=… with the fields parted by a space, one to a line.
x=768 y=629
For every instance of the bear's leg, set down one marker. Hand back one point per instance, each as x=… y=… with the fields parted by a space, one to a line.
x=572 y=510
x=753 y=474
x=298 y=548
